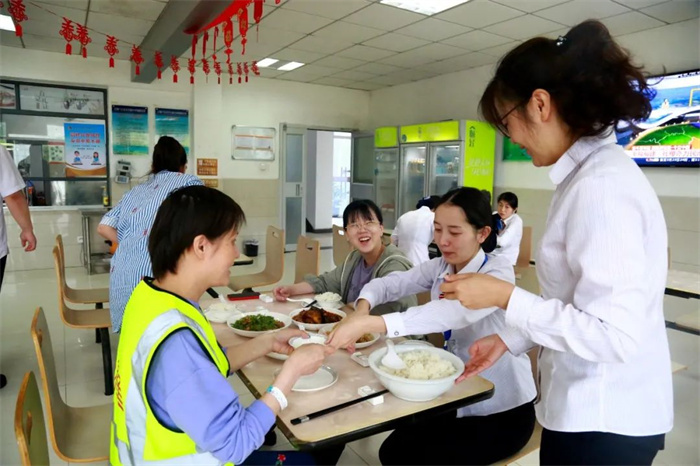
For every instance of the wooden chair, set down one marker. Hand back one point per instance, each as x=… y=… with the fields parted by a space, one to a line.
x=30 y=429
x=78 y=435
x=308 y=258
x=96 y=296
x=525 y=254
x=97 y=319
x=274 y=264
x=341 y=246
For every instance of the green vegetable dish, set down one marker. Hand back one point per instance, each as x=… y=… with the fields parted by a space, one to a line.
x=257 y=323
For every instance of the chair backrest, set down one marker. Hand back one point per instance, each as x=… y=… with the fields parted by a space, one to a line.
x=525 y=253
x=30 y=429
x=61 y=264
x=274 y=253
x=308 y=258
x=57 y=410
x=341 y=245
x=61 y=251
x=60 y=280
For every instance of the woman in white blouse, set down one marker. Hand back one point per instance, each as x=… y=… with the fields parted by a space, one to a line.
x=511 y=233
x=485 y=432
x=604 y=365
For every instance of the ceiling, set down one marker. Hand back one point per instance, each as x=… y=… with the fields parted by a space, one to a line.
x=361 y=44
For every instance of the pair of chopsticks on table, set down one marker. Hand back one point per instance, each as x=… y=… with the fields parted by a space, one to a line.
x=335 y=408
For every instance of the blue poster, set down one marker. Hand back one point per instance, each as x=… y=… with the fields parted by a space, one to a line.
x=175 y=123
x=85 y=149
x=129 y=130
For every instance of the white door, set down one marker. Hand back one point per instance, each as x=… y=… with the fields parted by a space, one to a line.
x=293 y=164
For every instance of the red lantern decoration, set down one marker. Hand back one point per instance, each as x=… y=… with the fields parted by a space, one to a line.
x=205 y=68
x=191 y=63
x=136 y=57
x=111 y=49
x=205 y=38
x=228 y=39
x=216 y=34
x=158 y=61
x=17 y=11
x=257 y=14
x=68 y=34
x=243 y=27
x=277 y=2
x=84 y=38
x=255 y=68
x=239 y=69
x=217 y=70
x=175 y=66
x=230 y=73
x=194 y=44
x=245 y=70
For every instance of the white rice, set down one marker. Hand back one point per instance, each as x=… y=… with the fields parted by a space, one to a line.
x=422 y=365
x=329 y=297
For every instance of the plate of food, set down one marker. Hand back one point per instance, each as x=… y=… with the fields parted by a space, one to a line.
x=366 y=340
x=315 y=318
x=253 y=324
x=329 y=300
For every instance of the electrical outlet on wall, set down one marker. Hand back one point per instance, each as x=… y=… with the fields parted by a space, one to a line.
x=80 y=240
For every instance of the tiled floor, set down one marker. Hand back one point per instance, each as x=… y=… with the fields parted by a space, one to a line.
x=79 y=364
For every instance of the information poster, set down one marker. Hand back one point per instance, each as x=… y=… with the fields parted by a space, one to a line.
x=85 y=150
x=207 y=167
x=251 y=143
x=129 y=130
x=175 y=123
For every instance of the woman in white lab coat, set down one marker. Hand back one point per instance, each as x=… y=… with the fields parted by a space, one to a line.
x=511 y=231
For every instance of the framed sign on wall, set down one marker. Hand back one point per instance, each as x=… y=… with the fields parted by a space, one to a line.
x=252 y=143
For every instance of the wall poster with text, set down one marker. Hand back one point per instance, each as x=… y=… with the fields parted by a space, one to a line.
x=175 y=123
x=85 y=150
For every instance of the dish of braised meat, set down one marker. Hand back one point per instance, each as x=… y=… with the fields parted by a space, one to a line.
x=315 y=315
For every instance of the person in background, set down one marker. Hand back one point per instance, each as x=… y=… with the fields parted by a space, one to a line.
x=11 y=186
x=604 y=362
x=511 y=231
x=485 y=432
x=172 y=402
x=129 y=223
x=414 y=230
x=362 y=221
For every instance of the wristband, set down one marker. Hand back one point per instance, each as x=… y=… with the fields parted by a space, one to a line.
x=279 y=396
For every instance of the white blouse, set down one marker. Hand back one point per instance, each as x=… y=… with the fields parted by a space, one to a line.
x=509 y=238
x=601 y=264
x=512 y=375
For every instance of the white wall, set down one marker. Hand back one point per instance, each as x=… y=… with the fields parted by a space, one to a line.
x=323 y=217
x=456 y=96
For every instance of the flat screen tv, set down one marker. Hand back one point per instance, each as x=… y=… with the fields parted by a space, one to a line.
x=671 y=134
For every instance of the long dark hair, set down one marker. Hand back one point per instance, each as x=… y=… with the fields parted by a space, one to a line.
x=168 y=154
x=476 y=208
x=591 y=79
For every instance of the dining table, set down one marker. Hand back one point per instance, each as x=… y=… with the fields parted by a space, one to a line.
x=353 y=422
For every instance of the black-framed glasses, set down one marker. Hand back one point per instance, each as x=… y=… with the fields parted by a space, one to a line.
x=504 y=125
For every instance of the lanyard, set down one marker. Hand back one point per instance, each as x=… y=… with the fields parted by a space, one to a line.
x=448 y=334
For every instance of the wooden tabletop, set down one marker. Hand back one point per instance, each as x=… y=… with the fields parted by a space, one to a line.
x=683 y=284
x=243 y=260
x=354 y=422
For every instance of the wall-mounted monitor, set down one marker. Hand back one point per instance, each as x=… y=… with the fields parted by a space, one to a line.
x=671 y=134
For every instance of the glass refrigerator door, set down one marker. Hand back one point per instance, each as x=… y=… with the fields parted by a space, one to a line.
x=386 y=175
x=444 y=168
x=412 y=183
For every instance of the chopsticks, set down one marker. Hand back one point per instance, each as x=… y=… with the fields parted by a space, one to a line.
x=335 y=408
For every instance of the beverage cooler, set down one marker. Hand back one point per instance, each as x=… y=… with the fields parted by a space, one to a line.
x=386 y=173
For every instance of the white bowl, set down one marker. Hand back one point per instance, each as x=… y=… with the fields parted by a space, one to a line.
x=330 y=304
x=375 y=336
x=316 y=327
x=411 y=389
x=314 y=339
x=249 y=333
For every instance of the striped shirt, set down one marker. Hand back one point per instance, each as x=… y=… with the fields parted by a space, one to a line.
x=133 y=218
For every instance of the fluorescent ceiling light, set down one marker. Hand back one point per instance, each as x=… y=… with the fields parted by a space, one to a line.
x=292 y=65
x=424 y=7
x=265 y=62
x=6 y=23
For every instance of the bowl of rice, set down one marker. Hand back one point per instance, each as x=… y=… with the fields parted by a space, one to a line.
x=329 y=300
x=430 y=372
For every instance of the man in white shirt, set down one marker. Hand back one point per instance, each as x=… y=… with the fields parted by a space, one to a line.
x=414 y=230
x=11 y=186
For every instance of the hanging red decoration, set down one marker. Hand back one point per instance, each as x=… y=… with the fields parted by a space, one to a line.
x=230 y=73
x=277 y=2
x=243 y=27
x=228 y=39
x=254 y=67
x=175 y=66
x=216 y=34
x=194 y=44
x=205 y=38
x=205 y=68
x=83 y=37
x=137 y=58
x=257 y=14
x=191 y=63
x=245 y=70
x=158 y=61
x=217 y=70
x=17 y=11
x=111 y=49
x=239 y=70
x=68 y=34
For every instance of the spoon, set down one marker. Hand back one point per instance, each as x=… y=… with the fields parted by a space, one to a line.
x=298 y=300
x=222 y=299
x=391 y=359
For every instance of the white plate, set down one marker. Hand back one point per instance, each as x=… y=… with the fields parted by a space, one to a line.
x=296 y=342
x=322 y=378
x=220 y=314
x=278 y=356
x=316 y=327
x=375 y=337
x=249 y=333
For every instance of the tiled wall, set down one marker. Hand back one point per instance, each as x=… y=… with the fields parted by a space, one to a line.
x=682 y=220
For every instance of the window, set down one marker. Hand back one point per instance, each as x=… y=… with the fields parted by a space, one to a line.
x=58 y=137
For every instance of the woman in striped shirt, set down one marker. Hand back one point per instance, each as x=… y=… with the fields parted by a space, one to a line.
x=129 y=222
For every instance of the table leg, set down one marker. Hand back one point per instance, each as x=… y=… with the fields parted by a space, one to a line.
x=98 y=337
x=107 y=361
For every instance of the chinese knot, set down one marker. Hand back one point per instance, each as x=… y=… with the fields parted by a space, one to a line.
x=136 y=57
x=216 y=34
x=205 y=68
x=243 y=27
x=245 y=70
x=111 y=49
x=239 y=70
x=217 y=70
x=175 y=66
x=230 y=73
x=191 y=63
x=228 y=39
x=83 y=37
x=158 y=61
x=17 y=11
x=254 y=67
x=68 y=34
